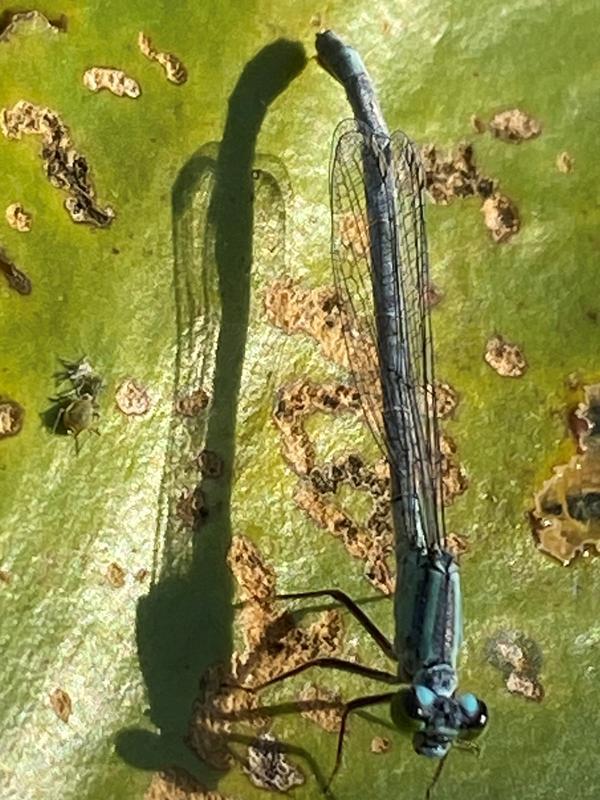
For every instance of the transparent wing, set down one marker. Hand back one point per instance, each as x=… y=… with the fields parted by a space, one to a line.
x=359 y=161
x=350 y=250
x=415 y=288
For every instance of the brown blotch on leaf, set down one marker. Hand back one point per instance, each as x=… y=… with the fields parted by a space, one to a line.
x=564 y=162
x=271 y=645
x=353 y=232
x=18 y=218
x=177 y=784
x=505 y=358
x=191 y=507
x=255 y=578
x=519 y=659
x=358 y=541
x=192 y=404
x=61 y=704
x=478 y=124
x=433 y=296
x=589 y=413
x=323 y=315
x=452 y=175
x=11 y=418
x=446 y=399
x=456 y=545
x=454 y=477
x=113 y=80
x=5 y=576
x=525 y=685
x=514 y=125
x=115 y=575
x=501 y=217
x=15 y=23
x=132 y=398
x=449 y=176
x=65 y=168
x=566 y=514
x=315 y=312
x=218 y=706
x=322 y=706
x=210 y=463
x=174 y=68
x=300 y=400
x=380 y=745
x=269 y=768
x=141 y=575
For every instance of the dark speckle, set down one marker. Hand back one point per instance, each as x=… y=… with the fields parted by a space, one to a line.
x=15 y=277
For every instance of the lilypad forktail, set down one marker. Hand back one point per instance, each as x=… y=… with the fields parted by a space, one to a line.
x=381 y=272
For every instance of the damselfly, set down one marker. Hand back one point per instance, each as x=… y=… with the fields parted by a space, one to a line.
x=380 y=265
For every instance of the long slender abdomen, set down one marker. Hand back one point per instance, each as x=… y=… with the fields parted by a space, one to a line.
x=428 y=612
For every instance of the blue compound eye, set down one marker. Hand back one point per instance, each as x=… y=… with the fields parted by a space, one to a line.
x=411 y=708
x=475 y=715
x=425 y=697
x=469 y=704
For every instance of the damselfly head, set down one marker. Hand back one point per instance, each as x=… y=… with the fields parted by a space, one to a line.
x=323 y=41
x=436 y=721
x=336 y=57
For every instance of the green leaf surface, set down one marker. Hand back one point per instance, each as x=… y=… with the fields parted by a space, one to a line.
x=172 y=294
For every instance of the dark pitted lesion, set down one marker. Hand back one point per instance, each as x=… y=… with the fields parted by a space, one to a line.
x=269 y=768
x=453 y=175
x=566 y=514
x=65 y=168
x=192 y=404
x=15 y=277
x=210 y=463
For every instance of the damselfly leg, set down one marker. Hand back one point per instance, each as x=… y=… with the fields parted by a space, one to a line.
x=378 y=636
x=331 y=663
